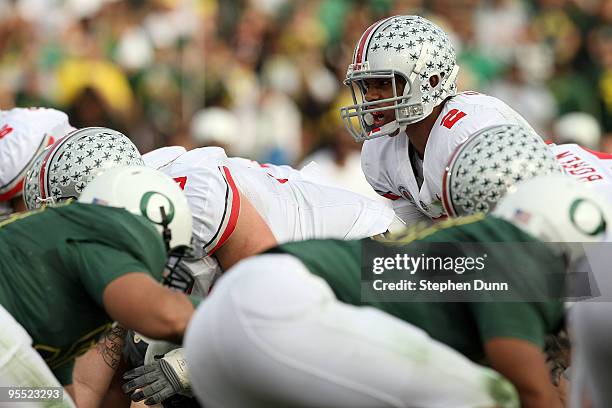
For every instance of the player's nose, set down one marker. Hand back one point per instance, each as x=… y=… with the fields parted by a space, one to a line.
x=373 y=93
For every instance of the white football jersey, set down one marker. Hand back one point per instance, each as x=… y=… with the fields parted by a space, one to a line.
x=589 y=166
x=25 y=132
x=390 y=166
x=294 y=206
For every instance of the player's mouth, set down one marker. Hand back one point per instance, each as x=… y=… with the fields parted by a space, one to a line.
x=379 y=118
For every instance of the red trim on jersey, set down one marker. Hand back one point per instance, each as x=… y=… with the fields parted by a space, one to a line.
x=19 y=186
x=235 y=211
x=12 y=192
x=599 y=155
x=371 y=132
x=391 y=196
x=549 y=142
x=282 y=181
x=5 y=130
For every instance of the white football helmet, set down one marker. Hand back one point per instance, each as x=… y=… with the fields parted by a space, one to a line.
x=489 y=163
x=31 y=185
x=144 y=191
x=558 y=210
x=76 y=159
x=150 y=193
x=407 y=46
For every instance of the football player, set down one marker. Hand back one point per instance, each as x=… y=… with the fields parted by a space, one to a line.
x=68 y=271
x=24 y=133
x=495 y=159
x=241 y=207
x=291 y=327
x=492 y=162
x=63 y=169
x=408 y=113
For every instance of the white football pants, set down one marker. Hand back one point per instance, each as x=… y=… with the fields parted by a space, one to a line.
x=591 y=334
x=22 y=366
x=271 y=334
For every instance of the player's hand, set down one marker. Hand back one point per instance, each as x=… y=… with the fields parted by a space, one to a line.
x=159 y=380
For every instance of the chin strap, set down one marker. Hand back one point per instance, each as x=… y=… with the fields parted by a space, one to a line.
x=390 y=129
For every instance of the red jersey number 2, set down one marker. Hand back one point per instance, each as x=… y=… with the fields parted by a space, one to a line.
x=452 y=116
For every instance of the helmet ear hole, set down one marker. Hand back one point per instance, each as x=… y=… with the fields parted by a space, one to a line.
x=434 y=80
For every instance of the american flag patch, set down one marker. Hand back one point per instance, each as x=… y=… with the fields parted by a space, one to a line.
x=99 y=201
x=522 y=216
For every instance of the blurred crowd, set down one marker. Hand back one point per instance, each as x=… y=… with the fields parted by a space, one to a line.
x=263 y=78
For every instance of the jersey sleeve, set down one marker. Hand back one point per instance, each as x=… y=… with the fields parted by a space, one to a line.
x=519 y=320
x=99 y=265
x=163 y=156
x=64 y=372
x=206 y=178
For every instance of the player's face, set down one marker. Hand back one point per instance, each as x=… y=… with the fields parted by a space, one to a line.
x=376 y=89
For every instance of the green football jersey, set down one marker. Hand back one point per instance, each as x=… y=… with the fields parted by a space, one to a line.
x=464 y=326
x=55 y=264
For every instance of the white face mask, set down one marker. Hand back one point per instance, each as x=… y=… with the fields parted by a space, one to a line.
x=204 y=271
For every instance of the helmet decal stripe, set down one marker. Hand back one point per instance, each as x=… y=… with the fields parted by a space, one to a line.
x=365 y=39
x=43 y=166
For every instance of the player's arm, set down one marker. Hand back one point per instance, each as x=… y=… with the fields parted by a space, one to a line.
x=524 y=364
x=94 y=370
x=251 y=236
x=140 y=303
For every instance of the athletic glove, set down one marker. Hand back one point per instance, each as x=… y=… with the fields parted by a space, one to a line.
x=163 y=378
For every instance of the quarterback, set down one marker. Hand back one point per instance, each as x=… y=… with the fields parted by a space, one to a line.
x=408 y=112
x=362 y=353
x=103 y=262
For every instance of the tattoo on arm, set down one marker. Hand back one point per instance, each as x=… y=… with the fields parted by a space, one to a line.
x=110 y=345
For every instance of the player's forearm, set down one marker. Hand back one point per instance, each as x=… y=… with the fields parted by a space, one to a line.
x=94 y=370
x=143 y=305
x=170 y=320
x=539 y=399
x=524 y=365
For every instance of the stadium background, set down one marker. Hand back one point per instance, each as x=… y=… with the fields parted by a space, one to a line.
x=149 y=68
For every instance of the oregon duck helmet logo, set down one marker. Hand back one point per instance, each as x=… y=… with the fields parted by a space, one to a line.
x=153 y=200
x=581 y=211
